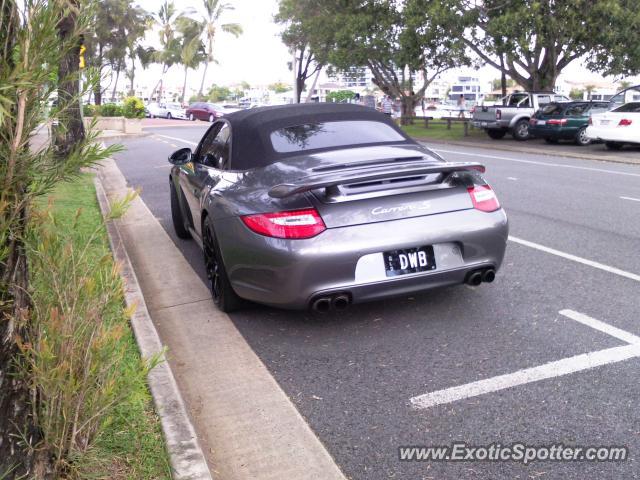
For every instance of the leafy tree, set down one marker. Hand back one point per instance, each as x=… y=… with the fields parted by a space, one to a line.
x=192 y=52
x=532 y=41
x=280 y=87
x=308 y=34
x=404 y=44
x=214 y=11
x=623 y=85
x=576 y=94
x=166 y=19
x=218 y=94
x=135 y=25
x=39 y=40
x=616 y=51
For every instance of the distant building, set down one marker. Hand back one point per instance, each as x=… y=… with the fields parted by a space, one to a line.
x=471 y=88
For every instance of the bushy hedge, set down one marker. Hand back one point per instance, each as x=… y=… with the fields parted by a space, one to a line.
x=133 y=108
x=111 y=110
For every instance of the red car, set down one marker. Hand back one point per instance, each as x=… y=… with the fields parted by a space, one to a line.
x=204 y=111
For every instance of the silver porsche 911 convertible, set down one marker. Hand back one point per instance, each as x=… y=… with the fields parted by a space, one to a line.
x=323 y=205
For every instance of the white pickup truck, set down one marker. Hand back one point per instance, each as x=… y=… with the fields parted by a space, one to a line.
x=513 y=115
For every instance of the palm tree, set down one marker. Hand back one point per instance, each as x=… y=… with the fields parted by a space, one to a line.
x=214 y=11
x=192 y=51
x=166 y=19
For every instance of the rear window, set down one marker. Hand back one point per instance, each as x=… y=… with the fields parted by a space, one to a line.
x=315 y=136
x=629 y=107
x=552 y=109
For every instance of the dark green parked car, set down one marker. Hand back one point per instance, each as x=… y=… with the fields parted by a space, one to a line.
x=565 y=121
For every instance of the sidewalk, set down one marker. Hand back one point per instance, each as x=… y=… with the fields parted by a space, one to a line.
x=598 y=152
x=246 y=425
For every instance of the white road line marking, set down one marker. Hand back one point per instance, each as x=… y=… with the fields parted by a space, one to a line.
x=601 y=326
x=512 y=178
x=177 y=139
x=173 y=145
x=631 y=198
x=584 y=261
x=558 y=368
x=533 y=162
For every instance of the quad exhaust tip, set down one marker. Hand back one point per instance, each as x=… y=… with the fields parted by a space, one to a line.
x=338 y=302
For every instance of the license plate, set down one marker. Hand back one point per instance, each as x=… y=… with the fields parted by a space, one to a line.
x=604 y=122
x=541 y=122
x=409 y=260
x=483 y=124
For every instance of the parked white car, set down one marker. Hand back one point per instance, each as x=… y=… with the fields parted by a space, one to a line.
x=166 y=110
x=616 y=127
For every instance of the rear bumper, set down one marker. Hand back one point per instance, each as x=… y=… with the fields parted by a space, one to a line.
x=491 y=124
x=290 y=273
x=612 y=134
x=557 y=133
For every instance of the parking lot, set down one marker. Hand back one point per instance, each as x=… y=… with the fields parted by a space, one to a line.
x=549 y=353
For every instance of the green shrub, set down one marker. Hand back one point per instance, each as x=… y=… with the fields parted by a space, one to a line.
x=91 y=110
x=111 y=110
x=82 y=361
x=133 y=108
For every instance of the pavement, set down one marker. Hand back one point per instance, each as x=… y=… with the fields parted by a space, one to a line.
x=246 y=426
x=595 y=151
x=546 y=354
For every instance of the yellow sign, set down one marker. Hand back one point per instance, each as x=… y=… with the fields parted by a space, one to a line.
x=82 y=50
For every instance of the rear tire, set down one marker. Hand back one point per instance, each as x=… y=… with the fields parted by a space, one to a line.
x=168 y=115
x=191 y=117
x=221 y=290
x=613 y=145
x=521 y=130
x=176 y=215
x=581 y=137
x=496 y=134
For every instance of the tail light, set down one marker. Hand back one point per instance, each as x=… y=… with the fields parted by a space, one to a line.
x=533 y=121
x=625 y=122
x=498 y=114
x=557 y=121
x=483 y=198
x=590 y=122
x=293 y=224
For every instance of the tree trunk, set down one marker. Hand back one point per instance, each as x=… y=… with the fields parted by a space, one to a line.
x=408 y=104
x=503 y=76
x=97 y=91
x=313 y=86
x=184 y=84
x=132 y=90
x=71 y=130
x=204 y=75
x=16 y=418
x=115 y=85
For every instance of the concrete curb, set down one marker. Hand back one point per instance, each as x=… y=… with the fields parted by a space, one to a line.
x=186 y=456
x=534 y=151
x=124 y=136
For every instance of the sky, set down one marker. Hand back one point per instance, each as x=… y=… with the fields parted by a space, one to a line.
x=258 y=56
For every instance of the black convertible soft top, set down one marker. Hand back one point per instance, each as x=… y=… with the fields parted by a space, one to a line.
x=251 y=129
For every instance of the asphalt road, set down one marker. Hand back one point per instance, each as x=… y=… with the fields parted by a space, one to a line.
x=352 y=374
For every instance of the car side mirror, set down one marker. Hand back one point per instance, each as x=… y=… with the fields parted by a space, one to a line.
x=180 y=157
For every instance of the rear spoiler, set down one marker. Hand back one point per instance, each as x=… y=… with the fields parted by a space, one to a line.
x=306 y=184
